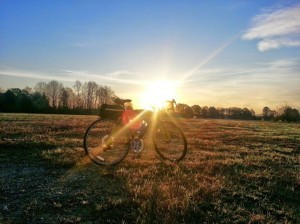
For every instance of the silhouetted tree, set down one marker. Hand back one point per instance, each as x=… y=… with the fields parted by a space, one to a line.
x=184 y=110
x=40 y=102
x=24 y=103
x=64 y=98
x=188 y=112
x=204 y=112
x=290 y=115
x=268 y=114
x=247 y=114
x=8 y=101
x=222 y=112
x=239 y=113
x=196 y=110
x=213 y=112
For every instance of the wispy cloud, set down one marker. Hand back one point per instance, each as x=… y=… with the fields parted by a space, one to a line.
x=276 y=28
x=122 y=73
x=283 y=68
x=31 y=74
x=288 y=63
x=115 y=76
x=83 y=44
x=65 y=75
x=264 y=84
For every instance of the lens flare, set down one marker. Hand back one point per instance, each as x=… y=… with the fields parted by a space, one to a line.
x=157 y=92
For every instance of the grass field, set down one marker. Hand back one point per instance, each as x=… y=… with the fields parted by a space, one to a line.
x=234 y=172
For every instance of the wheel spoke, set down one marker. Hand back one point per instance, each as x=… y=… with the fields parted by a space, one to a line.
x=102 y=144
x=169 y=141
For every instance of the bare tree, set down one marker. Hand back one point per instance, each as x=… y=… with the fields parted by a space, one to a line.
x=109 y=93
x=88 y=95
x=105 y=93
x=64 y=98
x=52 y=93
x=27 y=90
x=78 y=87
x=91 y=89
x=84 y=95
x=41 y=87
x=71 y=98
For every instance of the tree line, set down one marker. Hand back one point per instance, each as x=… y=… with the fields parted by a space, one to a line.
x=87 y=97
x=54 y=97
x=215 y=113
x=285 y=113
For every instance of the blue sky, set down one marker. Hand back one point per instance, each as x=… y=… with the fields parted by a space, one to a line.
x=218 y=53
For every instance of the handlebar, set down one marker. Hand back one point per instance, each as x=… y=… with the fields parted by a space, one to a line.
x=172 y=102
x=120 y=101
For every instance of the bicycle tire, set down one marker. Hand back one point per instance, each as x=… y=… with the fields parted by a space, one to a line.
x=171 y=145
x=102 y=143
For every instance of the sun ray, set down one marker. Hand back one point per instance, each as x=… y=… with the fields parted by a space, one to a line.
x=209 y=58
x=157 y=92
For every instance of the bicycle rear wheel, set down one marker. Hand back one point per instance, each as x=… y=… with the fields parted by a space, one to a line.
x=169 y=141
x=105 y=142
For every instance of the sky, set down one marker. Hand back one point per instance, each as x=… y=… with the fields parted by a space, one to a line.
x=219 y=53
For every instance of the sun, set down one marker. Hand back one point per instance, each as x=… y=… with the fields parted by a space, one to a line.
x=157 y=93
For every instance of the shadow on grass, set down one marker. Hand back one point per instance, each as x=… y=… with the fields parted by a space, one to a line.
x=38 y=188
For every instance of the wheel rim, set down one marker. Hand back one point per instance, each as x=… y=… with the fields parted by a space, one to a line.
x=169 y=141
x=105 y=144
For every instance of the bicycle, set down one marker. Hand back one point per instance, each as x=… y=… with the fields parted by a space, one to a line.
x=107 y=140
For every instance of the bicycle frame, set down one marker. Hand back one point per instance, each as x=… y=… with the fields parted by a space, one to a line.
x=168 y=139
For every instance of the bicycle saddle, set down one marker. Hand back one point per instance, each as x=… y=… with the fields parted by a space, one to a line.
x=121 y=101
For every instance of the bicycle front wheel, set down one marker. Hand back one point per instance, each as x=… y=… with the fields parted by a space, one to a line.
x=105 y=142
x=169 y=141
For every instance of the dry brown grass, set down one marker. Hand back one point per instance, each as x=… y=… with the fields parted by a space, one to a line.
x=234 y=172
